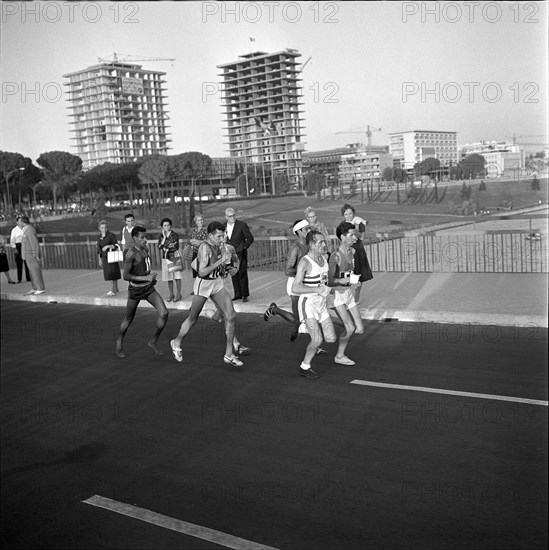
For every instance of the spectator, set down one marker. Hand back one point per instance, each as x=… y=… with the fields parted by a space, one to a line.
x=4 y=264
x=111 y=272
x=198 y=235
x=240 y=237
x=15 y=242
x=320 y=227
x=168 y=243
x=127 y=240
x=30 y=251
x=362 y=265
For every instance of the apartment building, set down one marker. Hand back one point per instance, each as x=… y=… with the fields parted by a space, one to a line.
x=261 y=97
x=118 y=112
x=413 y=146
x=364 y=165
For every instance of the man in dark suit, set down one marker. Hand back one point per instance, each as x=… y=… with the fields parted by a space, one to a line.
x=239 y=236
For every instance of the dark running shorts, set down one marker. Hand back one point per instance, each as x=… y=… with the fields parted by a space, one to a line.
x=141 y=292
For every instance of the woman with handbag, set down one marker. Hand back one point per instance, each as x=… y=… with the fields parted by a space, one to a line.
x=172 y=263
x=107 y=242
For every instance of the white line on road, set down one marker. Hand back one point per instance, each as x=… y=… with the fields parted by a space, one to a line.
x=167 y=522
x=451 y=392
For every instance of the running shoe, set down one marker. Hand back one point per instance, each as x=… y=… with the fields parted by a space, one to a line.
x=242 y=350
x=176 y=352
x=233 y=360
x=344 y=360
x=39 y=291
x=308 y=373
x=269 y=312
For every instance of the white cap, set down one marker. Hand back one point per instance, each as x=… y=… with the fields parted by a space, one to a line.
x=300 y=225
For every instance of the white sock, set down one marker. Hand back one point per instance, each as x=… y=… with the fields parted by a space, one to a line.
x=305 y=366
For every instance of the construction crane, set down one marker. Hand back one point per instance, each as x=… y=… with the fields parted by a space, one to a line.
x=304 y=65
x=514 y=137
x=123 y=58
x=368 y=133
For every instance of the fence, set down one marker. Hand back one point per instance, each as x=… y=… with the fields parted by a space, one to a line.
x=493 y=252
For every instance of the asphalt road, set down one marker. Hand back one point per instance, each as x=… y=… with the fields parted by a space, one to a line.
x=261 y=453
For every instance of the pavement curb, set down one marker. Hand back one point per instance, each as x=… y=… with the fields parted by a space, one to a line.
x=381 y=315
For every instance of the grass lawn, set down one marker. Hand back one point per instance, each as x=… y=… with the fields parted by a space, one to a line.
x=277 y=215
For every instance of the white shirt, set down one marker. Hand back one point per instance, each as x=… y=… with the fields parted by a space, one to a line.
x=230 y=227
x=16 y=236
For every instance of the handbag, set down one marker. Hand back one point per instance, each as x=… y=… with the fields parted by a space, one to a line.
x=115 y=256
x=188 y=252
x=175 y=265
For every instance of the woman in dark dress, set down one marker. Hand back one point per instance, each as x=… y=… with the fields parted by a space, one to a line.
x=107 y=241
x=4 y=264
x=362 y=265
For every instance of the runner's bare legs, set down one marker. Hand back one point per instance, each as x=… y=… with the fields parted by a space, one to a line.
x=131 y=308
x=223 y=302
x=196 y=307
x=156 y=300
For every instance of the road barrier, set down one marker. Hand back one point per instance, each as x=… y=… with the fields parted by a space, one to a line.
x=490 y=252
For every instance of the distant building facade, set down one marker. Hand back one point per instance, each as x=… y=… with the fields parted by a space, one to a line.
x=349 y=165
x=364 y=165
x=261 y=95
x=411 y=147
x=502 y=158
x=327 y=162
x=118 y=113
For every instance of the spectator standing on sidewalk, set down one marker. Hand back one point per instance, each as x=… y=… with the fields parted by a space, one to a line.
x=168 y=243
x=362 y=265
x=30 y=251
x=4 y=264
x=126 y=240
x=15 y=242
x=106 y=242
x=240 y=237
x=198 y=235
x=315 y=225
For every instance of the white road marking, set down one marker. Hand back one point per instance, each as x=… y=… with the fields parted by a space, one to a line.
x=451 y=392
x=167 y=522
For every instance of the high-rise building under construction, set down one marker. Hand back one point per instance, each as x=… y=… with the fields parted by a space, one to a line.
x=261 y=96
x=118 y=112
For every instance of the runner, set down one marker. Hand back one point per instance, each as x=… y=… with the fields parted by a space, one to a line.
x=209 y=284
x=311 y=285
x=231 y=269
x=137 y=270
x=297 y=250
x=344 y=281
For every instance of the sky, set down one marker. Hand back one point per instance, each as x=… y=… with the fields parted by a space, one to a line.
x=477 y=68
